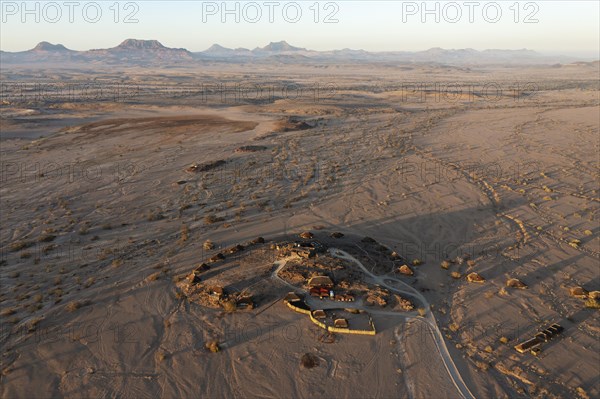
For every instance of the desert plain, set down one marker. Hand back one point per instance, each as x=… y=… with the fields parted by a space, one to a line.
x=113 y=193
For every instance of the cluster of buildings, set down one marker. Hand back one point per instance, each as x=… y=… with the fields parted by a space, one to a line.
x=323 y=287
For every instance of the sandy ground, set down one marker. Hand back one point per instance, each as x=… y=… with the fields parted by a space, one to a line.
x=99 y=216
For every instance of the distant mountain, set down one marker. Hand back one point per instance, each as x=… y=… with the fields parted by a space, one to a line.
x=45 y=46
x=152 y=52
x=219 y=51
x=42 y=52
x=133 y=50
x=134 y=44
x=278 y=47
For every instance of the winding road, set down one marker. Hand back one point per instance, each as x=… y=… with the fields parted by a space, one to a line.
x=428 y=318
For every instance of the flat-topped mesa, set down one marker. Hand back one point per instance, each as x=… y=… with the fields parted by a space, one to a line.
x=136 y=44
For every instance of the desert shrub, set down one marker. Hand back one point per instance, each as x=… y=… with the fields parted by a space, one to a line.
x=453 y=327
x=504 y=340
x=19 y=245
x=455 y=275
x=72 y=306
x=47 y=238
x=154 y=276
x=445 y=264
x=7 y=312
x=212 y=219
x=229 y=306
x=32 y=325
x=208 y=245
x=185 y=232
x=161 y=356
x=309 y=360
x=213 y=346
x=89 y=282
x=592 y=303
x=417 y=262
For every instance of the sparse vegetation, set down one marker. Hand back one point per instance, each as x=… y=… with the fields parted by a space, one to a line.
x=229 y=306
x=309 y=360
x=19 y=245
x=592 y=303
x=213 y=346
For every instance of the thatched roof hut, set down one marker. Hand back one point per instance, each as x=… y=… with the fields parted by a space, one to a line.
x=292 y=297
x=319 y=314
x=340 y=323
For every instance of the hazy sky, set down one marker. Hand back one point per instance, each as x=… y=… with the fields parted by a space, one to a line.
x=567 y=27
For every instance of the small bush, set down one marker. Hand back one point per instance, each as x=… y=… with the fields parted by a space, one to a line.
x=19 y=245
x=210 y=219
x=504 y=340
x=213 y=346
x=72 y=306
x=7 y=312
x=47 y=238
x=309 y=360
x=185 y=233
x=153 y=276
x=208 y=245
x=229 y=306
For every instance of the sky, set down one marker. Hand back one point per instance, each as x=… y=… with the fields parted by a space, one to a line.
x=551 y=26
